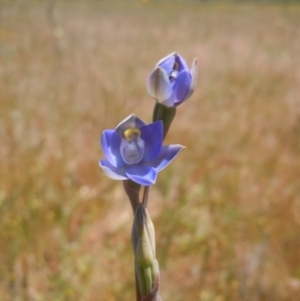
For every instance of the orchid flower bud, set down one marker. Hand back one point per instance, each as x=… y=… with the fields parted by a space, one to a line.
x=171 y=82
x=143 y=243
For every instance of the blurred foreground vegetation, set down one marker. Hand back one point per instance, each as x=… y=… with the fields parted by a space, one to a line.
x=227 y=211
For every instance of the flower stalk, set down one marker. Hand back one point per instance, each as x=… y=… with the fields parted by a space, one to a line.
x=135 y=154
x=166 y=114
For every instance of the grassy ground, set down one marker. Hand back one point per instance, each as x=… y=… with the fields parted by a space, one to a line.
x=227 y=211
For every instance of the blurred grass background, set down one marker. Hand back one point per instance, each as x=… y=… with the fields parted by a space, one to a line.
x=227 y=211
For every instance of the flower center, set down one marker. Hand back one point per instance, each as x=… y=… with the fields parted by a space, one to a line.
x=174 y=72
x=132 y=146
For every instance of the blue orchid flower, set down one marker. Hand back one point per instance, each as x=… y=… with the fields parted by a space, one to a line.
x=171 y=82
x=134 y=151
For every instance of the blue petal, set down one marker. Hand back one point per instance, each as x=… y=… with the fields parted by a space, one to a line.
x=170 y=102
x=181 y=61
x=166 y=156
x=143 y=175
x=131 y=121
x=111 y=171
x=110 y=141
x=152 y=135
x=181 y=86
x=167 y=63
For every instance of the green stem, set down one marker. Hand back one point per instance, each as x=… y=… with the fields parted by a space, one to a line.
x=132 y=190
x=146 y=196
x=166 y=114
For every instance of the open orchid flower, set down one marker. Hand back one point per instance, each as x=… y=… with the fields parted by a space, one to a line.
x=171 y=82
x=134 y=151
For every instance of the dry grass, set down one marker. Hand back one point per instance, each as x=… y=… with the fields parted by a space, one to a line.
x=227 y=211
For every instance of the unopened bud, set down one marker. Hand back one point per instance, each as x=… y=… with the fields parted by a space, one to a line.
x=143 y=242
